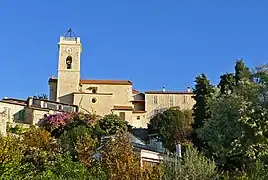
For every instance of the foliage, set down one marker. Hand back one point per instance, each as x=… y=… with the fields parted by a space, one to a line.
x=118 y=158
x=203 y=93
x=112 y=124
x=40 y=150
x=65 y=168
x=11 y=153
x=242 y=73
x=173 y=126
x=258 y=171
x=60 y=122
x=86 y=149
x=222 y=129
x=193 y=166
x=68 y=140
x=17 y=129
x=151 y=172
x=237 y=131
x=227 y=83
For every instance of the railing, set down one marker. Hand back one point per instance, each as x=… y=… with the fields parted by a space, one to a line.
x=69 y=38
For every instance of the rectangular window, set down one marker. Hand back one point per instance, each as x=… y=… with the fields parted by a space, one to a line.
x=155 y=100
x=138 y=117
x=171 y=100
x=122 y=116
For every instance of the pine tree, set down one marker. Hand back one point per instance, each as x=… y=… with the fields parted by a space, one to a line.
x=227 y=83
x=242 y=72
x=203 y=93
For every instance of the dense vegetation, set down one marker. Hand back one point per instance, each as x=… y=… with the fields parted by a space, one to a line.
x=229 y=123
x=225 y=136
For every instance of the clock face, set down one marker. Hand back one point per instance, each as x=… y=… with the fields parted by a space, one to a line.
x=69 y=50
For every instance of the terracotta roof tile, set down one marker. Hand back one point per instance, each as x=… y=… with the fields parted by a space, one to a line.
x=111 y=82
x=134 y=91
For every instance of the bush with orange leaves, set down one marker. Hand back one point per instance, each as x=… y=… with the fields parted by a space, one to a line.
x=120 y=161
x=85 y=149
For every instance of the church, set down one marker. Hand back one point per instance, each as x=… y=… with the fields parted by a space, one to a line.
x=68 y=92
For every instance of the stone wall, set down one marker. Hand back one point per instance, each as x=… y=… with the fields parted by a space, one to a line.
x=3 y=123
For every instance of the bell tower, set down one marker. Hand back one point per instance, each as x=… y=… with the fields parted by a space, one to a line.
x=70 y=49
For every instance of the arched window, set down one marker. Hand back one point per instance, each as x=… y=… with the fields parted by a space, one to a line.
x=69 y=62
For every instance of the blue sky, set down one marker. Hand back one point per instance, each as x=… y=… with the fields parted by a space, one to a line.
x=153 y=43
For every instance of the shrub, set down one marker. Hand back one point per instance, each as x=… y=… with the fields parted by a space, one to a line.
x=119 y=160
x=60 y=122
x=193 y=166
x=111 y=124
x=11 y=153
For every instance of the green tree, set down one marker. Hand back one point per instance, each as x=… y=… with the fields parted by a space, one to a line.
x=173 y=126
x=111 y=124
x=221 y=130
x=70 y=139
x=237 y=130
x=227 y=83
x=40 y=151
x=242 y=72
x=203 y=94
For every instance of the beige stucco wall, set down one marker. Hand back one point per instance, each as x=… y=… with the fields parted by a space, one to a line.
x=128 y=115
x=122 y=94
x=103 y=105
x=107 y=97
x=39 y=114
x=12 y=111
x=184 y=101
x=139 y=123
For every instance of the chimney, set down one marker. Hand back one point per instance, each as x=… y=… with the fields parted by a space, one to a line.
x=163 y=89
x=188 y=89
x=30 y=101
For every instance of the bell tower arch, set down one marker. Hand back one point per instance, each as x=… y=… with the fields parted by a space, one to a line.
x=70 y=49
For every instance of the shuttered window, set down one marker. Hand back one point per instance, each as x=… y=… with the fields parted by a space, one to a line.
x=22 y=115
